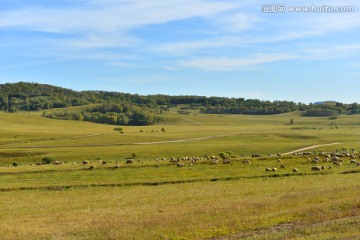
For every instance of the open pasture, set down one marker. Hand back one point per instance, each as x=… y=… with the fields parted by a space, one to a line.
x=155 y=199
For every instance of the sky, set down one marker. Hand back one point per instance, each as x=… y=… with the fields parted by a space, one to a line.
x=221 y=48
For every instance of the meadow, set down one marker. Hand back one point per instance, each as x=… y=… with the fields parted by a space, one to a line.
x=152 y=199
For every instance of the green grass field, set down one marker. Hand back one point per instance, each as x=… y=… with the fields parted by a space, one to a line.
x=199 y=201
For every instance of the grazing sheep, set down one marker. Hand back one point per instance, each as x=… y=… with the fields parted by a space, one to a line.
x=353 y=161
x=282 y=166
x=57 y=163
x=180 y=165
x=316 y=168
x=279 y=160
x=267 y=169
x=103 y=163
x=157 y=166
x=295 y=170
x=85 y=162
x=357 y=164
x=213 y=162
x=129 y=161
x=92 y=167
x=322 y=167
x=330 y=167
x=246 y=161
x=274 y=169
x=337 y=164
x=116 y=166
x=226 y=162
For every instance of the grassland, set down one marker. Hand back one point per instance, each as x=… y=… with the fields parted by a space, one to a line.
x=202 y=201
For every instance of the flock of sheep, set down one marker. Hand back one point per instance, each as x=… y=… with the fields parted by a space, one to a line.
x=336 y=159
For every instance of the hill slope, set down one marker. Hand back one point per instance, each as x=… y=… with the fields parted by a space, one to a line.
x=134 y=109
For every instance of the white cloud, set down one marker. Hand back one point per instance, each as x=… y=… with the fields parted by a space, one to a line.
x=236 y=22
x=111 y=17
x=184 y=48
x=227 y=63
x=90 y=29
x=234 y=63
x=331 y=51
x=102 y=41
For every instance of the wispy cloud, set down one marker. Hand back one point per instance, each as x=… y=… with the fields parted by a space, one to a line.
x=236 y=22
x=185 y=48
x=227 y=63
x=143 y=43
x=112 y=17
x=236 y=63
x=331 y=51
x=85 y=29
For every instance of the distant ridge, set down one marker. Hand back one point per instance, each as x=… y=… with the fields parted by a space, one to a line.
x=25 y=96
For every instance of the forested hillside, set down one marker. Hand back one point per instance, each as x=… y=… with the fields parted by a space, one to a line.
x=110 y=113
x=134 y=109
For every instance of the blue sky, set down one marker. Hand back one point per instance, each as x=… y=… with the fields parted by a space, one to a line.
x=199 y=47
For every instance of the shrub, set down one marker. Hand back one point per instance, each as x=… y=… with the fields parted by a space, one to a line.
x=226 y=154
x=15 y=164
x=47 y=160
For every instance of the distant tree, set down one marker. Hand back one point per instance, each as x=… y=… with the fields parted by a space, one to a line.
x=47 y=160
x=118 y=129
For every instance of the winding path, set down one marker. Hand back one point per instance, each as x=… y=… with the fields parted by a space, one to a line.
x=122 y=144
x=309 y=147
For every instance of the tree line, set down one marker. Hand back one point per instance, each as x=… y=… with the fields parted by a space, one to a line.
x=110 y=113
x=34 y=96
